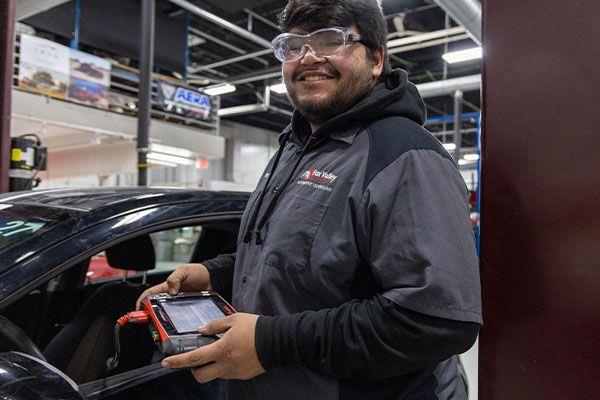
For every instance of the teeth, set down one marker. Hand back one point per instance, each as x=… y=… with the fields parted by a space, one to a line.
x=315 y=78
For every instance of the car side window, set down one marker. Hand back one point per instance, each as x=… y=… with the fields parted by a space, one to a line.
x=172 y=248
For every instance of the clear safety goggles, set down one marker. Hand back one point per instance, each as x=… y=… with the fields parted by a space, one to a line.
x=323 y=43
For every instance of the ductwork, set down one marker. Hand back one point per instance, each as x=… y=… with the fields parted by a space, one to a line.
x=466 y=13
x=449 y=86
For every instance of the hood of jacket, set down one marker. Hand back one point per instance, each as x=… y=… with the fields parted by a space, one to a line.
x=394 y=95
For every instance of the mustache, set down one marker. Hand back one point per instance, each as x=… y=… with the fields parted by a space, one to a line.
x=322 y=69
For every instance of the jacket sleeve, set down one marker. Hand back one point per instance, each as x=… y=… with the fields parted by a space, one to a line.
x=372 y=338
x=412 y=229
x=220 y=270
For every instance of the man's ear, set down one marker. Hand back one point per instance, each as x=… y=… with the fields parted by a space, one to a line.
x=377 y=58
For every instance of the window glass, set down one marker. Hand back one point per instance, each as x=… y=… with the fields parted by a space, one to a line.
x=172 y=247
x=19 y=222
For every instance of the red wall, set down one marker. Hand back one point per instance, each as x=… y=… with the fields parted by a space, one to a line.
x=540 y=222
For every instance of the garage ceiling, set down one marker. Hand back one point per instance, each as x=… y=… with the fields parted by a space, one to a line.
x=218 y=44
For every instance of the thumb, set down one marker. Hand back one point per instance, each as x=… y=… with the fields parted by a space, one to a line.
x=174 y=282
x=217 y=326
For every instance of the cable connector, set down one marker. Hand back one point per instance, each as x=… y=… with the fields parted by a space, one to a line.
x=136 y=317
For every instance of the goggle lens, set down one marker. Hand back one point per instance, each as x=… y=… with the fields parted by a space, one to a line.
x=324 y=43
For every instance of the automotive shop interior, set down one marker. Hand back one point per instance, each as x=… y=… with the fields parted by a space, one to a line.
x=299 y=199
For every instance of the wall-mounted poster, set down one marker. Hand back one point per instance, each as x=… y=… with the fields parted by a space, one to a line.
x=55 y=70
x=182 y=101
x=90 y=79
x=43 y=66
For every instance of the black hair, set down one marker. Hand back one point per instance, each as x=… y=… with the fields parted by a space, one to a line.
x=365 y=15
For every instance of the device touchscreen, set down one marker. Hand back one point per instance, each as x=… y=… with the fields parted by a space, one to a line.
x=189 y=315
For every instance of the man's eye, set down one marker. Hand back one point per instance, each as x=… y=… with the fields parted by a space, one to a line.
x=294 y=45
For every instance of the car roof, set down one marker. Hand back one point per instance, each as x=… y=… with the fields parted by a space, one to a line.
x=89 y=199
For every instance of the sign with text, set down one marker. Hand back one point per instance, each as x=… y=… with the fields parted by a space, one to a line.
x=183 y=101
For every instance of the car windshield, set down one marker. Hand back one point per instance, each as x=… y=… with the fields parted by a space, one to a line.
x=19 y=221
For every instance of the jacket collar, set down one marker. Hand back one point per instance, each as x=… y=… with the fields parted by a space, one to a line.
x=301 y=131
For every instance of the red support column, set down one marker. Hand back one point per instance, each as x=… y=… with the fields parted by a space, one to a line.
x=540 y=209
x=7 y=46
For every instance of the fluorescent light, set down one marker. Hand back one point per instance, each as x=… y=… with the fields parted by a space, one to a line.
x=462 y=161
x=471 y=157
x=279 y=88
x=240 y=110
x=463 y=55
x=174 y=151
x=219 y=89
x=165 y=163
x=169 y=158
x=449 y=146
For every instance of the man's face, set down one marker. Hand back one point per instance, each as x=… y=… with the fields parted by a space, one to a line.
x=323 y=87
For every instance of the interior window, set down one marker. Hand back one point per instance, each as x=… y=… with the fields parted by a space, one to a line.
x=172 y=248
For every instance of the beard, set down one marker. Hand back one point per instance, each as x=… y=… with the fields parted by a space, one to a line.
x=348 y=92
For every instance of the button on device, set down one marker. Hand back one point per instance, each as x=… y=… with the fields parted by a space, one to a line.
x=244 y=279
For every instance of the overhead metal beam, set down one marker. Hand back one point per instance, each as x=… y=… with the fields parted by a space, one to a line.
x=230 y=61
x=466 y=13
x=224 y=44
x=425 y=36
x=429 y=43
x=28 y=8
x=262 y=19
x=221 y=22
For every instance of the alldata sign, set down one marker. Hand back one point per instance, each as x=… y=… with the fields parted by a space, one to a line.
x=182 y=101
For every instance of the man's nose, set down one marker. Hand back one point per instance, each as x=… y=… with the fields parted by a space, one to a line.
x=310 y=57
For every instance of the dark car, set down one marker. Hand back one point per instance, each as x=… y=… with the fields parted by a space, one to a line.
x=57 y=317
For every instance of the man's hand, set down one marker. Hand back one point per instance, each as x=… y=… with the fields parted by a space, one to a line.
x=191 y=277
x=231 y=357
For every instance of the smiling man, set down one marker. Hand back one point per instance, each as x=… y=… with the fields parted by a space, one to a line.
x=355 y=275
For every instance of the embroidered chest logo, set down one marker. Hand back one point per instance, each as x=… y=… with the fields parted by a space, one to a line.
x=317 y=179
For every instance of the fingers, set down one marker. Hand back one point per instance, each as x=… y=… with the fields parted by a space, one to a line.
x=217 y=326
x=174 y=281
x=207 y=373
x=200 y=356
x=160 y=288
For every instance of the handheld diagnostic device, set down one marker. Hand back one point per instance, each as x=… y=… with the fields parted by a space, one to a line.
x=174 y=321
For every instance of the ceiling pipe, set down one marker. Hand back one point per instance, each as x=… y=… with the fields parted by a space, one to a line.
x=450 y=86
x=186 y=5
x=466 y=13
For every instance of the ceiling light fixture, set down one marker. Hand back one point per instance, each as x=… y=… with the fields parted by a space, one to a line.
x=278 y=88
x=169 y=158
x=219 y=89
x=462 y=161
x=174 y=151
x=463 y=55
x=471 y=157
x=449 y=146
x=164 y=163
